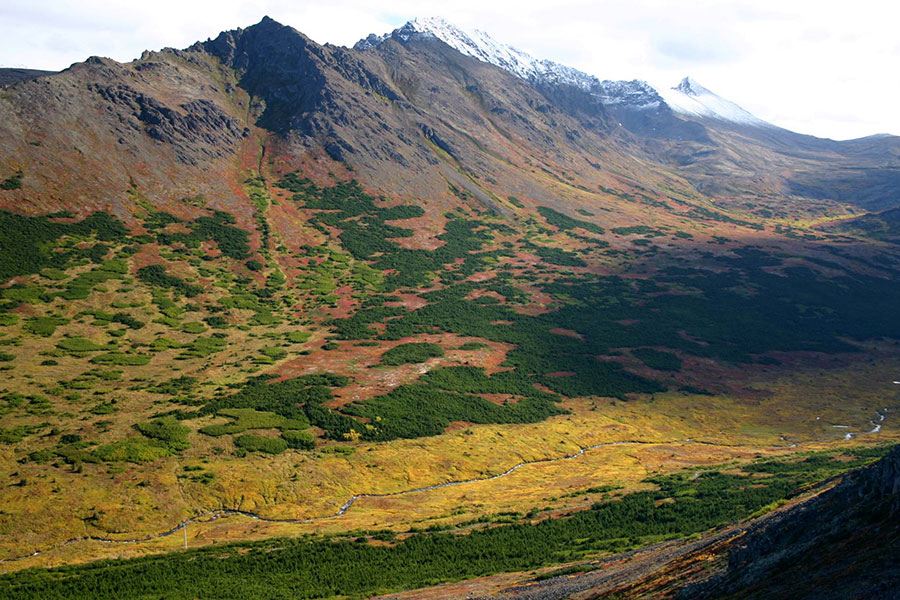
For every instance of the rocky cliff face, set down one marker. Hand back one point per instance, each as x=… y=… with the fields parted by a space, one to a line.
x=166 y=124
x=841 y=544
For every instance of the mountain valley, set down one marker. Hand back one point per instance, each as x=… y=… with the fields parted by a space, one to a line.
x=430 y=307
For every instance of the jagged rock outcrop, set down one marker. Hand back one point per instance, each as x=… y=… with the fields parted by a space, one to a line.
x=195 y=127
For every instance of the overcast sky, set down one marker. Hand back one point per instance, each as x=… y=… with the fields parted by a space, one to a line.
x=827 y=68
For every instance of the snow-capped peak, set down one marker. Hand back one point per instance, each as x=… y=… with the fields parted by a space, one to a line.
x=688 y=98
x=692 y=99
x=691 y=87
x=480 y=45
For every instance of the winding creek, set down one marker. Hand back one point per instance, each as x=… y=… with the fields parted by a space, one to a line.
x=214 y=515
x=217 y=514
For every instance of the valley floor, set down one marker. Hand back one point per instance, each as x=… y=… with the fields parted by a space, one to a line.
x=512 y=469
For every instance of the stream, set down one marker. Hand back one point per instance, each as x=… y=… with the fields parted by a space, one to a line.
x=216 y=514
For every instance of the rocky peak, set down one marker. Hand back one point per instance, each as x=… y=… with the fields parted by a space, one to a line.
x=691 y=87
x=275 y=63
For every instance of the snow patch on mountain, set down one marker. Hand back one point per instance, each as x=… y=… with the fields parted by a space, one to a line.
x=692 y=99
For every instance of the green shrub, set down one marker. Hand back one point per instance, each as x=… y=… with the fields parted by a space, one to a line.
x=24 y=241
x=248 y=418
x=194 y=327
x=564 y=222
x=43 y=326
x=121 y=359
x=79 y=344
x=14 y=435
x=127 y=320
x=298 y=337
x=166 y=430
x=13 y=182
x=259 y=443
x=300 y=440
x=414 y=352
x=104 y=408
x=156 y=275
x=557 y=256
x=132 y=449
x=272 y=353
x=216 y=322
x=202 y=347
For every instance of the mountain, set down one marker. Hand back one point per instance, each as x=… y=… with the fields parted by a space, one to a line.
x=719 y=147
x=688 y=98
x=348 y=321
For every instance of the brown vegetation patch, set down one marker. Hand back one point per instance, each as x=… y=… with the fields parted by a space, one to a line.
x=481 y=276
x=501 y=399
x=567 y=332
x=369 y=379
x=408 y=301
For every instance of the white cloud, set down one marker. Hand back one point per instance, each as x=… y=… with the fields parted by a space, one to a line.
x=820 y=67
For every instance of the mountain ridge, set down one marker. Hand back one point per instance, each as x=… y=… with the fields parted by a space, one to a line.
x=636 y=93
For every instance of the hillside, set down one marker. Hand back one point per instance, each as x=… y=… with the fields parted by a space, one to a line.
x=262 y=287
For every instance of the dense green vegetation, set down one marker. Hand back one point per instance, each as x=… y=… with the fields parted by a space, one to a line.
x=564 y=222
x=156 y=275
x=284 y=398
x=366 y=235
x=311 y=567
x=260 y=443
x=43 y=326
x=730 y=307
x=657 y=359
x=558 y=256
x=26 y=242
x=421 y=410
x=166 y=430
x=231 y=240
x=564 y=364
x=13 y=182
x=248 y=418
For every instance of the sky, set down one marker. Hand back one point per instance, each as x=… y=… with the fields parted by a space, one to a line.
x=826 y=68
